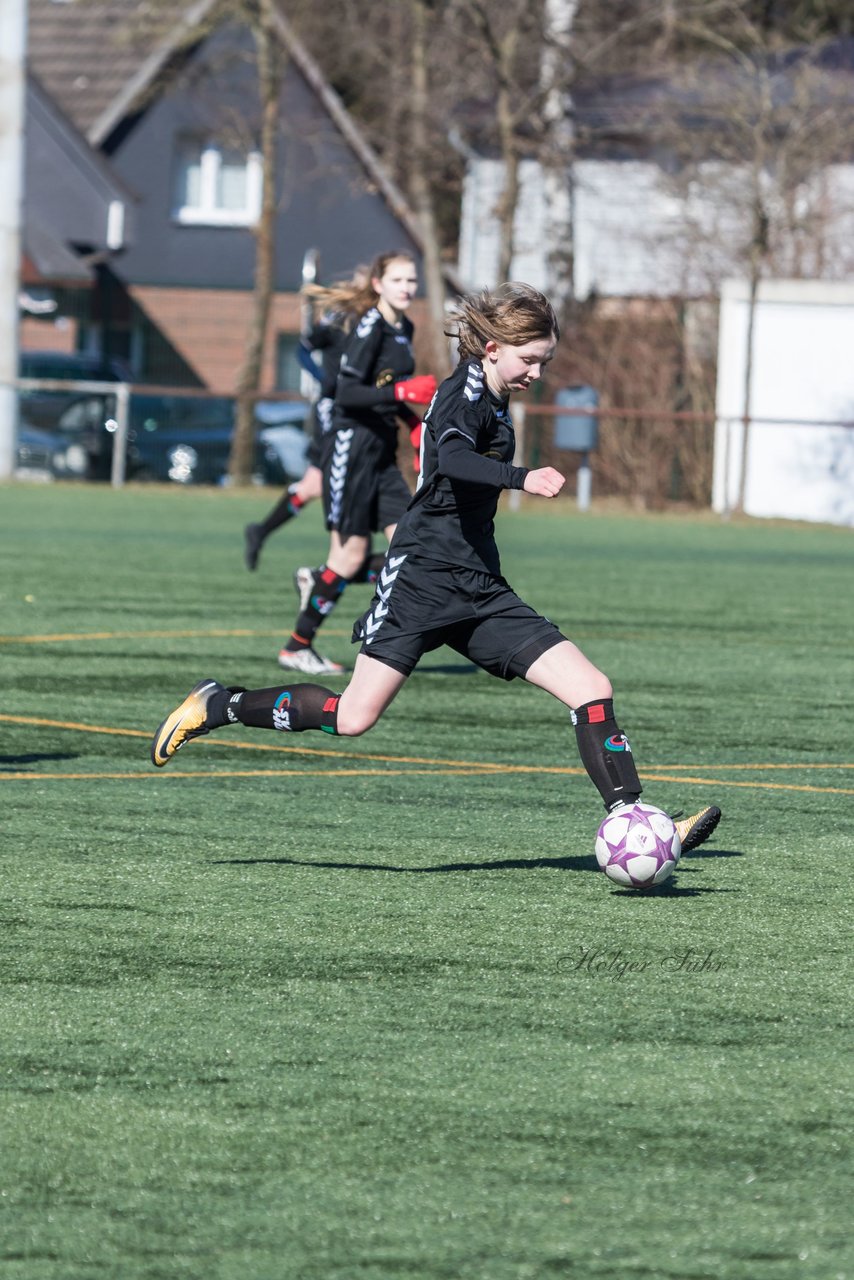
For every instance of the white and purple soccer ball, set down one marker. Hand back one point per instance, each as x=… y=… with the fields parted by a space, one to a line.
x=638 y=846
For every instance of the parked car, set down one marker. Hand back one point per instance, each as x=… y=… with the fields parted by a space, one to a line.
x=282 y=428
x=187 y=439
x=45 y=408
x=76 y=421
x=48 y=455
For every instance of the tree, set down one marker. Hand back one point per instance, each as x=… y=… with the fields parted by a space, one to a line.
x=387 y=62
x=757 y=128
x=424 y=12
x=270 y=72
x=524 y=56
x=558 y=146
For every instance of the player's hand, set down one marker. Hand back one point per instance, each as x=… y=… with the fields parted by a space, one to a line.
x=545 y=482
x=420 y=390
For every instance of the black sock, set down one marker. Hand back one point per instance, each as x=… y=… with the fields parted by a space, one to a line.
x=325 y=594
x=303 y=706
x=605 y=753
x=217 y=712
x=285 y=509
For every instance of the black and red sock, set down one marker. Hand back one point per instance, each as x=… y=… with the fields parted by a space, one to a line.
x=288 y=506
x=294 y=709
x=325 y=594
x=605 y=753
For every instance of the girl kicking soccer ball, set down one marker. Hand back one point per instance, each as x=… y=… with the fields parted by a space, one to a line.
x=442 y=583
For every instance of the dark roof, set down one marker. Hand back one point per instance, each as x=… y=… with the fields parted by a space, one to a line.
x=627 y=109
x=101 y=59
x=69 y=189
x=87 y=51
x=50 y=258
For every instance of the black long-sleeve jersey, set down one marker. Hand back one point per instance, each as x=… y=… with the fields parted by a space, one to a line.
x=467 y=447
x=328 y=336
x=376 y=356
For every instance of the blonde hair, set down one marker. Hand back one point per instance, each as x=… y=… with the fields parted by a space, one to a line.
x=513 y=314
x=357 y=295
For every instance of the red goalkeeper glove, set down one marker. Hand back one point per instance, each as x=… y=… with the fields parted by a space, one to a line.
x=419 y=390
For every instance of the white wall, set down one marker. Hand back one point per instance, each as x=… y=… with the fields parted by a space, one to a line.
x=633 y=238
x=803 y=369
x=480 y=232
x=638 y=235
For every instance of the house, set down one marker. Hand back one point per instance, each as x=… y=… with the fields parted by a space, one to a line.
x=79 y=215
x=646 y=223
x=663 y=183
x=171 y=115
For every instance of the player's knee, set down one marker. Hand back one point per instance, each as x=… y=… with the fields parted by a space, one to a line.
x=349 y=560
x=352 y=722
x=601 y=687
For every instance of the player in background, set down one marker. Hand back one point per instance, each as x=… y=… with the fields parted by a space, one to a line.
x=363 y=489
x=442 y=582
x=327 y=334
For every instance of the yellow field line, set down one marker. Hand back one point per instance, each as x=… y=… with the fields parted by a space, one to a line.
x=397 y=759
x=646 y=776
x=240 y=773
x=62 y=637
x=474 y=771
x=804 y=765
x=269 y=746
x=656 y=773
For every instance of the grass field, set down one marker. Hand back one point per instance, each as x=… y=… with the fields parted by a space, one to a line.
x=306 y=1009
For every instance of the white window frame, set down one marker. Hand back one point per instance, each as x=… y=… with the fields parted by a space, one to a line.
x=207 y=212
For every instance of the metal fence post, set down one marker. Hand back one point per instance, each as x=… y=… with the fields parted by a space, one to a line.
x=584 y=483
x=120 y=436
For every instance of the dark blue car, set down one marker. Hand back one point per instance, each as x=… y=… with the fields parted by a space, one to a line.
x=184 y=439
x=187 y=439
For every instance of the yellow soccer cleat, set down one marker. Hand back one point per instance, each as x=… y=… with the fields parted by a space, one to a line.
x=189 y=720
x=694 y=830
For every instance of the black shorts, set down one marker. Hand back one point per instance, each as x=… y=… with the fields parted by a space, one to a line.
x=321 y=416
x=363 y=488
x=419 y=606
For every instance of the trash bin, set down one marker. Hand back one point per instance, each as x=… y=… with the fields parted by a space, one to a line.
x=578 y=432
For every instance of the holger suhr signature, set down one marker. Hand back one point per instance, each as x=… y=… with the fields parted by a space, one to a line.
x=604 y=962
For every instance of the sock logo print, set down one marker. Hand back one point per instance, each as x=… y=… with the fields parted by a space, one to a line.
x=617 y=742
x=323 y=605
x=281 y=713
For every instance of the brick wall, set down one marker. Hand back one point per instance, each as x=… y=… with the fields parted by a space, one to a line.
x=48 y=335
x=207 y=328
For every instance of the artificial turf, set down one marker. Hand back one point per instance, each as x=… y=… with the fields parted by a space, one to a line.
x=367 y=1010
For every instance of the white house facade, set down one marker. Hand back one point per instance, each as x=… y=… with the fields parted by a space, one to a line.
x=634 y=233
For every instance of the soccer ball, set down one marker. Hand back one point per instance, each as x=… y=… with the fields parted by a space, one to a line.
x=638 y=846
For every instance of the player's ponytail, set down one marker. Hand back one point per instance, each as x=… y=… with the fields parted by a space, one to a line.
x=513 y=314
x=357 y=295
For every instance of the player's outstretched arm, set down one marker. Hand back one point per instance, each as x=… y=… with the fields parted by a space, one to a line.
x=545 y=482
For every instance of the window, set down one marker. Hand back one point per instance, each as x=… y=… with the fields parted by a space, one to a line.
x=217 y=185
x=288 y=370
